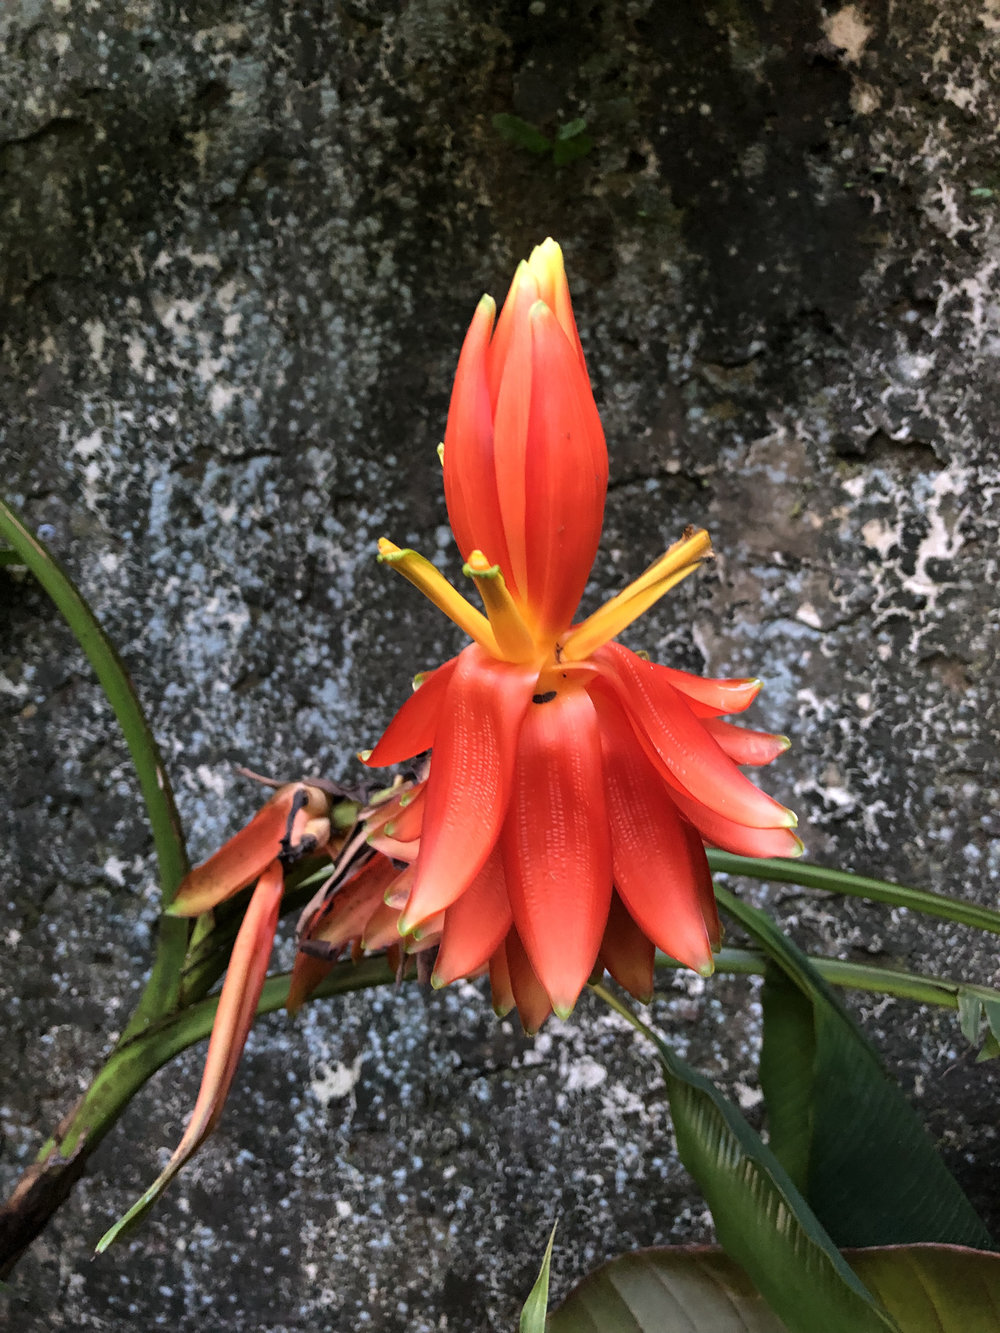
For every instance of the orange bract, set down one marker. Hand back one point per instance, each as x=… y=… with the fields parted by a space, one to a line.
x=573 y=785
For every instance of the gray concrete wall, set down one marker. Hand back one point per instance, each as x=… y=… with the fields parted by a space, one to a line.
x=239 y=246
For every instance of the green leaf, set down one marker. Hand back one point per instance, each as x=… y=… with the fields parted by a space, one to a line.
x=760 y=1217
x=571 y=130
x=991 y=1044
x=535 y=1307
x=840 y=1126
x=927 y=1289
x=569 y=150
x=521 y=133
x=970 y=1015
x=843 y=881
x=120 y=692
x=161 y=992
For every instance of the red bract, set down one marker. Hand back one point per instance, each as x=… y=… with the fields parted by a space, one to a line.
x=573 y=784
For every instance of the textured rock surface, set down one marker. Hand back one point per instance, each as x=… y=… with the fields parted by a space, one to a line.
x=239 y=245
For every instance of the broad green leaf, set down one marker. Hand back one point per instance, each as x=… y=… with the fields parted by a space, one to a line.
x=761 y=1219
x=788 y=1084
x=927 y=1289
x=840 y=1125
x=535 y=1307
x=522 y=133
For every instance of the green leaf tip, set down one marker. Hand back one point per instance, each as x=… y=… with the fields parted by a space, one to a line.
x=535 y=1309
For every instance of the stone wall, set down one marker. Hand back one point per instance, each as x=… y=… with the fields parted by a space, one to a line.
x=239 y=246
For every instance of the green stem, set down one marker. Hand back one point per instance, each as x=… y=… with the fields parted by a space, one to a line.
x=941 y=991
x=844 y=881
x=114 y=680
x=161 y=992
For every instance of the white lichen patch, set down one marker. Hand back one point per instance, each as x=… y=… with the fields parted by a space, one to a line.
x=848 y=29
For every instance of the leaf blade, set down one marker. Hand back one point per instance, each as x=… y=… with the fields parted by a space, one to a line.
x=928 y=1289
x=534 y=1311
x=873 y=1174
x=761 y=1219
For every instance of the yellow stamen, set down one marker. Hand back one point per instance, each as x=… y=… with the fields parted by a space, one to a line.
x=432 y=583
x=440 y=453
x=512 y=634
x=682 y=559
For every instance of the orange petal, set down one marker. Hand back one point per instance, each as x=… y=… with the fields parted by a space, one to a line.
x=627 y=953
x=555 y=844
x=546 y=265
x=404 y=822
x=704 y=885
x=470 y=487
x=566 y=477
x=510 y=445
x=521 y=296
x=707 y=697
x=381 y=928
x=500 y=988
x=744 y=746
x=234 y=1017
x=737 y=838
x=350 y=908
x=281 y=824
x=307 y=973
x=412 y=730
x=673 y=737
x=659 y=871
x=474 y=925
x=533 y=1006
x=469 y=784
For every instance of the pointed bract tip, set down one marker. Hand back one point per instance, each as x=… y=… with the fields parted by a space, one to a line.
x=437 y=982
x=502 y=1010
x=791 y=818
x=800 y=848
x=707 y=968
x=365 y=755
x=387 y=549
x=487 y=303
x=562 y=1011
x=786 y=743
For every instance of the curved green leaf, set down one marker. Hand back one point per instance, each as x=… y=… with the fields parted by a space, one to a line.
x=149 y=766
x=927 y=1289
x=839 y=1125
x=761 y=1219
